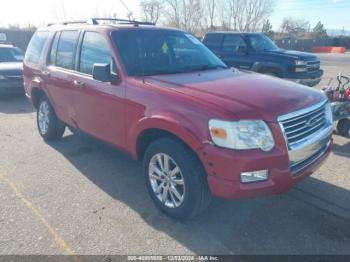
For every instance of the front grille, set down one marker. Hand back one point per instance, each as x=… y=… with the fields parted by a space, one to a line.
x=302 y=126
x=313 y=66
x=18 y=77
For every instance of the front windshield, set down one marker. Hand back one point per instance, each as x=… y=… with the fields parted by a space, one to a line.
x=261 y=43
x=11 y=54
x=156 y=52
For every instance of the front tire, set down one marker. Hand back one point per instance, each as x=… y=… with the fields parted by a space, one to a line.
x=49 y=126
x=175 y=179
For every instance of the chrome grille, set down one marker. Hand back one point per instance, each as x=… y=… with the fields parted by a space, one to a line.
x=313 y=66
x=18 y=77
x=300 y=127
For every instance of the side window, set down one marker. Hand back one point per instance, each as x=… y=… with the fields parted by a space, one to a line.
x=213 y=41
x=232 y=42
x=67 y=44
x=94 y=49
x=53 y=52
x=35 y=47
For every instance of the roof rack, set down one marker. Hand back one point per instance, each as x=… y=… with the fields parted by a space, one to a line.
x=120 y=21
x=95 y=21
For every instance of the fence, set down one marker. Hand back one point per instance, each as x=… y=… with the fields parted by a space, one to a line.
x=308 y=44
x=19 y=38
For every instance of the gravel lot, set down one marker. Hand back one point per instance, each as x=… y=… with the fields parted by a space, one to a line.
x=80 y=196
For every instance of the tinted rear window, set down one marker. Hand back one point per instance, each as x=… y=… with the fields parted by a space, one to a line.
x=67 y=44
x=35 y=47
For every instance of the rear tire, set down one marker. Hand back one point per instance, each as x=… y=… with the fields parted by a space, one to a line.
x=183 y=173
x=343 y=127
x=49 y=126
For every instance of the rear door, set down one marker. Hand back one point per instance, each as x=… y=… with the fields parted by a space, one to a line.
x=60 y=72
x=230 y=54
x=99 y=105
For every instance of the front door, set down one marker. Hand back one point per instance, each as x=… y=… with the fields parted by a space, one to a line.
x=230 y=52
x=99 y=106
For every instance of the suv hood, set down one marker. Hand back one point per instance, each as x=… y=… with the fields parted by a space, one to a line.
x=11 y=68
x=293 y=54
x=242 y=95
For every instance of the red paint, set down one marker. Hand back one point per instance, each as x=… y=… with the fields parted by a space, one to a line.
x=181 y=104
x=329 y=49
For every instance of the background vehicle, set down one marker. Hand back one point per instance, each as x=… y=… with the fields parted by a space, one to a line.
x=201 y=128
x=256 y=52
x=339 y=97
x=11 y=69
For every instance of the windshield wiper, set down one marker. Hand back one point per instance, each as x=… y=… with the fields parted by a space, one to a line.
x=207 y=67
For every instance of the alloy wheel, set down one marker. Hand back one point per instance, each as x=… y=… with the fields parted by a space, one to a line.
x=166 y=180
x=43 y=117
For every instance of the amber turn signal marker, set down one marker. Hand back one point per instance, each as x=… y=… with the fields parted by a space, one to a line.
x=219 y=133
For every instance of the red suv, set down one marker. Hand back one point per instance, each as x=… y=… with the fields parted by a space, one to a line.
x=201 y=128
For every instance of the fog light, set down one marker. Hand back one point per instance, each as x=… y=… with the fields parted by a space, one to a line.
x=256 y=176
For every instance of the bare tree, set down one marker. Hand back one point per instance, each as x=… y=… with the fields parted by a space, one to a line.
x=198 y=15
x=294 y=27
x=211 y=12
x=185 y=14
x=151 y=10
x=245 y=15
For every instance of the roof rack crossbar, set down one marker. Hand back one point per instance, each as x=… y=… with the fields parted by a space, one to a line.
x=74 y=22
x=121 y=21
x=95 y=21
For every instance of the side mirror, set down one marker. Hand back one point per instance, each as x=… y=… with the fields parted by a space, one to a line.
x=242 y=50
x=102 y=72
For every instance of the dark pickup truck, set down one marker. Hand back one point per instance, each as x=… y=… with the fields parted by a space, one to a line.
x=256 y=52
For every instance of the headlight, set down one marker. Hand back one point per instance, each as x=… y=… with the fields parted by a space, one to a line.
x=329 y=113
x=300 y=69
x=300 y=63
x=242 y=135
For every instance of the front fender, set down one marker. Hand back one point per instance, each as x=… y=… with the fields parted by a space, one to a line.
x=180 y=126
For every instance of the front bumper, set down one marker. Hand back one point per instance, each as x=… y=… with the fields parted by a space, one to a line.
x=307 y=82
x=11 y=86
x=224 y=168
x=307 y=78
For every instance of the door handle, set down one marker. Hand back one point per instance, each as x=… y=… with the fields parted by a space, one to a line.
x=79 y=83
x=46 y=73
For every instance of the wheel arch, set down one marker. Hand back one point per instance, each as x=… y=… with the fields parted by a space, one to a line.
x=36 y=94
x=158 y=128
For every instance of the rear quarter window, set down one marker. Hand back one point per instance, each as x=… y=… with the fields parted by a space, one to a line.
x=35 y=47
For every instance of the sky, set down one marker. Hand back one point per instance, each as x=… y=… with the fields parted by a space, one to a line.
x=334 y=14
